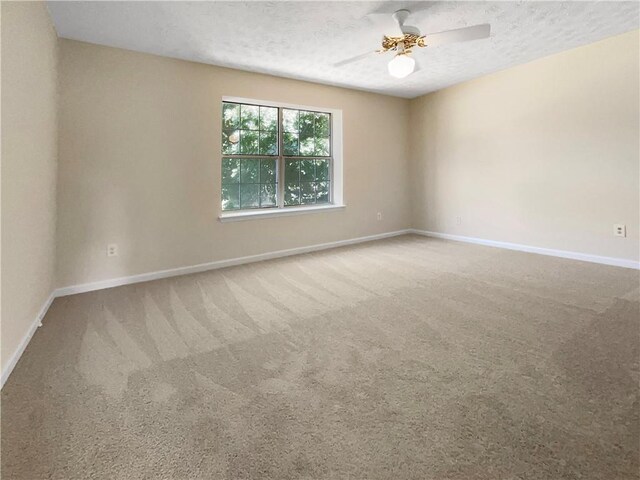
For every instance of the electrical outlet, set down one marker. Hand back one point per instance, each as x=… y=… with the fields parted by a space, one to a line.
x=112 y=250
x=379 y=216
x=620 y=230
x=458 y=220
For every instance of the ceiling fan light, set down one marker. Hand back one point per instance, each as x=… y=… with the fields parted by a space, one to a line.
x=402 y=65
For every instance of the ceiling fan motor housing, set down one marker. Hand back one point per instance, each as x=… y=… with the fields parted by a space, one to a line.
x=401 y=16
x=404 y=43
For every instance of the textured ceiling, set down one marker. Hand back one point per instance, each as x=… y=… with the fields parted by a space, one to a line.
x=303 y=39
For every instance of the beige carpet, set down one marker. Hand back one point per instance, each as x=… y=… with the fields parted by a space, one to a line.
x=410 y=358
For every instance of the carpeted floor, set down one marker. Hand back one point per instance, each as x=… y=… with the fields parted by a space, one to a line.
x=409 y=358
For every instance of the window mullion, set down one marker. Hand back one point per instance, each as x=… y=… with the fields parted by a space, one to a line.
x=280 y=166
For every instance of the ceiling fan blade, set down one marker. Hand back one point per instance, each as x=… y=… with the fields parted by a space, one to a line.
x=458 y=35
x=357 y=58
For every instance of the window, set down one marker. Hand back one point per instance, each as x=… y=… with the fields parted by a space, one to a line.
x=276 y=157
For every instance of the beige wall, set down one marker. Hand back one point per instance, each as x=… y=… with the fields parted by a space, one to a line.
x=140 y=164
x=29 y=157
x=544 y=154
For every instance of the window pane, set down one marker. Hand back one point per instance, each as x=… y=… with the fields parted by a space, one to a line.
x=230 y=170
x=290 y=144
x=307 y=170
x=268 y=119
x=322 y=192
x=249 y=117
x=249 y=195
x=268 y=143
x=292 y=194
x=230 y=197
x=230 y=116
x=230 y=140
x=307 y=192
x=313 y=133
x=306 y=133
x=291 y=171
x=321 y=127
x=322 y=147
x=290 y=120
x=249 y=142
x=292 y=182
x=306 y=145
x=322 y=170
x=250 y=170
x=267 y=195
x=306 y=124
x=267 y=171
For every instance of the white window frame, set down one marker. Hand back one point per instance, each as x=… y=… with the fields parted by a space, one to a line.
x=336 y=185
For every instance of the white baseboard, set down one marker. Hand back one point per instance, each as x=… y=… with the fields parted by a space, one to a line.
x=13 y=360
x=585 y=257
x=203 y=267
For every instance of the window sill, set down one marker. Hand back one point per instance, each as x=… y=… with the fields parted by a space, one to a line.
x=275 y=212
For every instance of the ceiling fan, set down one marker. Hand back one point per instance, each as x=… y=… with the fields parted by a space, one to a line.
x=407 y=37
